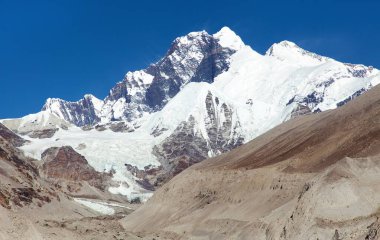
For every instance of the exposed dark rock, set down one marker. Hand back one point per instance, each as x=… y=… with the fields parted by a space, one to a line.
x=100 y=128
x=87 y=128
x=80 y=113
x=158 y=131
x=196 y=57
x=11 y=137
x=185 y=147
x=300 y=110
x=317 y=96
x=305 y=188
x=336 y=236
x=373 y=230
x=25 y=196
x=46 y=133
x=4 y=199
x=20 y=183
x=176 y=74
x=356 y=94
x=359 y=71
x=146 y=184
x=311 y=100
x=205 y=197
x=121 y=127
x=326 y=83
x=182 y=145
x=147 y=178
x=65 y=163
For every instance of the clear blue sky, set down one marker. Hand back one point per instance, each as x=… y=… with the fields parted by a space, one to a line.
x=66 y=48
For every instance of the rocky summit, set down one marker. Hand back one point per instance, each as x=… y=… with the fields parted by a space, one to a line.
x=196 y=57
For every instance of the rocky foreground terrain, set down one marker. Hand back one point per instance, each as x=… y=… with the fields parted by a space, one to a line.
x=44 y=199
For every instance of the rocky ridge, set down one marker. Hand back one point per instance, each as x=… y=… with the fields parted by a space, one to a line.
x=196 y=57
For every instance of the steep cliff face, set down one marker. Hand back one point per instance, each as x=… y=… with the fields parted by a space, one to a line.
x=196 y=57
x=80 y=113
x=207 y=126
x=65 y=164
x=11 y=137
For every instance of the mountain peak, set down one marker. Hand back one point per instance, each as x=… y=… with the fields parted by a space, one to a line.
x=189 y=38
x=288 y=44
x=287 y=50
x=91 y=97
x=281 y=46
x=196 y=34
x=228 y=39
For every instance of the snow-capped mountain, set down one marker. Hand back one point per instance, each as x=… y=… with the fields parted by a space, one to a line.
x=208 y=95
x=196 y=57
x=83 y=112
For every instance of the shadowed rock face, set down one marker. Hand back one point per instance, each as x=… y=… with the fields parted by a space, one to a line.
x=185 y=147
x=214 y=61
x=20 y=183
x=148 y=178
x=46 y=133
x=180 y=150
x=80 y=113
x=11 y=137
x=217 y=130
x=312 y=99
x=66 y=164
x=300 y=110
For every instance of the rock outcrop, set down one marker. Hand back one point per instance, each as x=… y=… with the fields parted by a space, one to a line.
x=20 y=182
x=64 y=163
x=11 y=137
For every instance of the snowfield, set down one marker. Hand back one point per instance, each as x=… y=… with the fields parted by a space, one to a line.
x=105 y=151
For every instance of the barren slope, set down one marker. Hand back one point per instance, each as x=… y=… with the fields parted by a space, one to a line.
x=314 y=177
x=33 y=207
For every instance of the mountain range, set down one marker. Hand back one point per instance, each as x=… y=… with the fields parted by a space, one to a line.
x=209 y=94
x=214 y=141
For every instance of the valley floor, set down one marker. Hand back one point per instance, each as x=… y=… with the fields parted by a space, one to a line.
x=66 y=220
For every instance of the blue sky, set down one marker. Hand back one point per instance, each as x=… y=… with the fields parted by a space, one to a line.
x=66 y=48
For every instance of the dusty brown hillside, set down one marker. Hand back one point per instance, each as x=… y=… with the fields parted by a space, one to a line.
x=314 y=177
x=320 y=139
